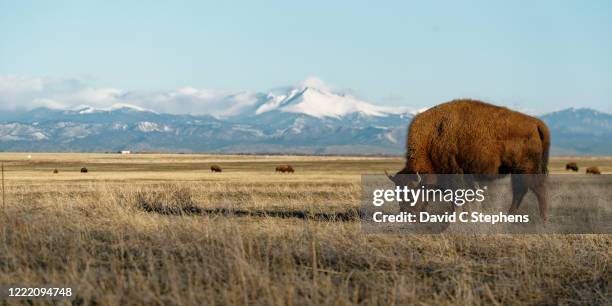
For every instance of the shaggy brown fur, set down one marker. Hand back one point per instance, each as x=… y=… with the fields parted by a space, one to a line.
x=215 y=168
x=572 y=166
x=84 y=170
x=473 y=137
x=593 y=170
x=285 y=168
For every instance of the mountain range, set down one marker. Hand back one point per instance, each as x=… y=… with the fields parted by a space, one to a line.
x=299 y=120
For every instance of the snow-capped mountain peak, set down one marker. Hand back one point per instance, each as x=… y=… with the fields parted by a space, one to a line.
x=320 y=102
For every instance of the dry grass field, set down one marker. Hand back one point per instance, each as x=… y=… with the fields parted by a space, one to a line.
x=163 y=230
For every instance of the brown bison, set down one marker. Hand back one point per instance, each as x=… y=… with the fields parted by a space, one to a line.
x=215 y=168
x=473 y=137
x=285 y=168
x=55 y=171
x=593 y=170
x=571 y=166
x=84 y=170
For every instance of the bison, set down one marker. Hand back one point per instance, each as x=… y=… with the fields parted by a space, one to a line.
x=215 y=168
x=84 y=170
x=473 y=137
x=55 y=171
x=593 y=170
x=571 y=166
x=285 y=168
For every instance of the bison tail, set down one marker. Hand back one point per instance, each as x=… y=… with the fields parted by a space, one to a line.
x=545 y=138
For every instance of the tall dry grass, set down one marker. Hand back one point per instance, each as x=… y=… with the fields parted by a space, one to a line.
x=102 y=240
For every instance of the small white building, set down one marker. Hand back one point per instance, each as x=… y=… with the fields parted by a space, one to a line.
x=126 y=152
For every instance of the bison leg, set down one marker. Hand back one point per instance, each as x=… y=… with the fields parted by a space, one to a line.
x=540 y=192
x=519 y=189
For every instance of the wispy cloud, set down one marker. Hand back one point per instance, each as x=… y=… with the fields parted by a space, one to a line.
x=316 y=83
x=28 y=92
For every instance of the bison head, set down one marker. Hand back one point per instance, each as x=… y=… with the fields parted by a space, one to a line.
x=410 y=180
x=413 y=181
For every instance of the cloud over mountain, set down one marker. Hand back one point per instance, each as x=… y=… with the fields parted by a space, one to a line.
x=29 y=92
x=312 y=97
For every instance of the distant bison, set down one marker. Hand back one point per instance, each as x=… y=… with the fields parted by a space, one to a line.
x=571 y=166
x=593 y=170
x=472 y=137
x=55 y=171
x=285 y=168
x=84 y=170
x=215 y=168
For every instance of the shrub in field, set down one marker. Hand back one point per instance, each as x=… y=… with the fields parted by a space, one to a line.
x=167 y=200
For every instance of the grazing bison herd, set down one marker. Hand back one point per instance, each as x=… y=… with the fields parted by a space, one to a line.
x=214 y=168
x=289 y=169
x=282 y=169
x=574 y=167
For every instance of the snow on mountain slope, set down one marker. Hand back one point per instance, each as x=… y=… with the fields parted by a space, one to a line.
x=318 y=102
x=86 y=109
x=18 y=131
x=573 y=131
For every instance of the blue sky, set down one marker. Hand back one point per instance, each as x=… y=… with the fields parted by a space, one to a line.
x=536 y=56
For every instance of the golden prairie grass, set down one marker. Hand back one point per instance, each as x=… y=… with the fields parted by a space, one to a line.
x=91 y=231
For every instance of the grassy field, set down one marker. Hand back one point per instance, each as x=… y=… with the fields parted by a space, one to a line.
x=162 y=229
